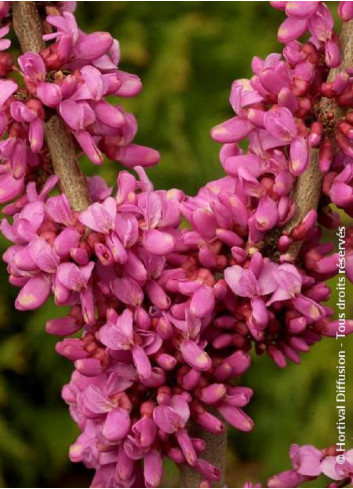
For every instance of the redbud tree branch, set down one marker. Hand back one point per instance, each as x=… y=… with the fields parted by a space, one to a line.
x=28 y=28
x=307 y=190
x=306 y=195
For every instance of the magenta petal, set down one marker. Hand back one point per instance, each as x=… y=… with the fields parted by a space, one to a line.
x=34 y=293
x=94 y=400
x=167 y=419
x=291 y=29
x=232 y=130
x=98 y=218
x=32 y=65
x=89 y=146
x=43 y=255
x=98 y=188
x=68 y=239
x=49 y=94
x=299 y=156
x=92 y=46
x=266 y=215
x=280 y=123
x=10 y=187
x=236 y=417
x=146 y=431
x=153 y=468
x=308 y=307
x=130 y=85
x=108 y=114
x=289 y=478
x=321 y=23
x=58 y=208
x=306 y=459
x=136 y=155
x=62 y=326
x=186 y=446
x=90 y=367
x=135 y=268
x=213 y=393
x=113 y=338
x=116 y=248
x=71 y=277
x=259 y=313
x=157 y=295
x=87 y=305
x=301 y=10
x=329 y=466
x=7 y=88
x=142 y=362
x=204 y=222
x=127 y=291
x=124 y=323
x=195 y=356
x=345 y=10
x=202 y=301
x=74 y=114
x=179 y=404
x=36 y=134
x=125 y=465
x=158 y=242
x=21 y=258
x=232 y=277
x=117 y=425
x=210 y=423
x=266 y=281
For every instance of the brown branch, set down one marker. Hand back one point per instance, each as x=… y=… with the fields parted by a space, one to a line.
x=63 y=155
x=307 y=190
x=28 y=28
x=306 y=196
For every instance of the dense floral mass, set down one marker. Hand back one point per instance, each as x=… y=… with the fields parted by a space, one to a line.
x=170 y=315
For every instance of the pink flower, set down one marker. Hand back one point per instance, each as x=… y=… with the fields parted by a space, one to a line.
x=34 y=71
x=253 y=285
x=335 y=471
x=172 y=418
x=120 y=336
x=306 y=460
x=73 y=43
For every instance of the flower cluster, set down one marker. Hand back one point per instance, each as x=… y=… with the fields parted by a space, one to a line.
x=316 y=18
x=142 y=369
x=278 y=303
x=169 y=315
x=308 y=463
x=72 y=76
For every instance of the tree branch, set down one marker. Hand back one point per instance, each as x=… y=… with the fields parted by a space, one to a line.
x=28 y=28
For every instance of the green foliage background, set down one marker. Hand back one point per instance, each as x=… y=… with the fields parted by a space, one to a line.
x=187 y=54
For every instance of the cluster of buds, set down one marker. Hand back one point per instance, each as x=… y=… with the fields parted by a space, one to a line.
x=169 y=315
